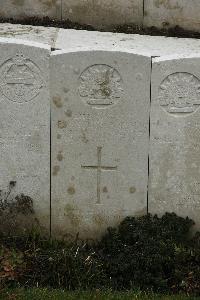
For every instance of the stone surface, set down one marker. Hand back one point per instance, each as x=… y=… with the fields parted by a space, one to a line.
x=24 y=135
x=100 y=138
x=175 y=137
x=71 y=40
x=20 y=9
x=40 y=34
x=83 y=40
x=107 y=14
x=170 y=13
x=103 y=13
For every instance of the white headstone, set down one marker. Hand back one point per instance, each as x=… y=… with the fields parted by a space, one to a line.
x=100 y=138
x=24 y=135
x=175 y=137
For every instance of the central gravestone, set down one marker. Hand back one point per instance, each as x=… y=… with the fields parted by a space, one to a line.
x=100 y=137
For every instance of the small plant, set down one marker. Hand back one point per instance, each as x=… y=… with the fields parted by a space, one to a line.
x=10 y=204
x=4 y=196
x=11 y=266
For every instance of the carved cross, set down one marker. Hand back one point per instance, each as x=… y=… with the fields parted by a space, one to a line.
x=99 y=167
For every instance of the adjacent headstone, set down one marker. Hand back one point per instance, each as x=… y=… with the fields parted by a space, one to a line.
x=21 y=9
x=24 y=136
x=103 y=13
x=170 y=13
x=100 y=139
x=175 y=137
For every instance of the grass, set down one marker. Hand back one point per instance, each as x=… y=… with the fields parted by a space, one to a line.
x=45 y=294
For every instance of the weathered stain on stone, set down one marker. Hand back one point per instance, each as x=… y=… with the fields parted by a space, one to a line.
x=99 y=220
x=56 y=169
x=68 y=209
x=37 y=30
x=62 y=124
x=145 y=13
x=68 y=113
x=105 y=189
x=59 y=136
x=57 y=101
x=84 y=137
x=49 y=3
x=167 y=4
x=60 y=156
x=141 y=212
x=76 y=71
x=71 y=190
x=132 y=190
x=73 y=217
x=18 y=2
x=13 y=32
x=98 y=12
x=66 y=90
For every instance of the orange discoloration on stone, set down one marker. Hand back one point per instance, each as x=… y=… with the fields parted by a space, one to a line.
x=57 y=101
x=71 y=190
x=56 y=169
x=99 y=220
x=132 y=190
x=18 y=2
x=168 y=4
x=68 y=113
x=49 y=3
x=62 y=124
x=105 y=189
x=60 y=156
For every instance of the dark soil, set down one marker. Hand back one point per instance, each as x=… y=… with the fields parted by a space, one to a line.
x=129 y=28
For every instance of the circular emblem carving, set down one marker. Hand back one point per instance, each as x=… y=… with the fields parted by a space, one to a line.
x=100 y=85
x=179 y=93
x=20 y=79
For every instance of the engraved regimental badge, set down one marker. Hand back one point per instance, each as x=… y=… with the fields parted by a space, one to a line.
x=100 y=86
x=179 y=93
x=20 y=79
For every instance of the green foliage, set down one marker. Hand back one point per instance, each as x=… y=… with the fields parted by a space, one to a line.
x=56 y=264
x=44 y=294
x=152 y=253
x=12 y=265
x=148 y=253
